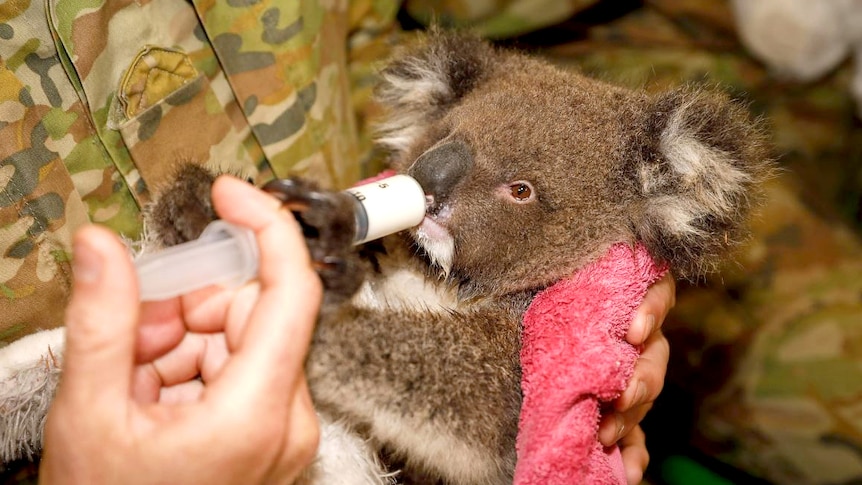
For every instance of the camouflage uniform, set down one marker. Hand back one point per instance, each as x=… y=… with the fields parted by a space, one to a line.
x=496 y=19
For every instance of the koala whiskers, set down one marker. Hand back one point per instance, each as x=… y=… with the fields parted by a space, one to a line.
x=437 y=243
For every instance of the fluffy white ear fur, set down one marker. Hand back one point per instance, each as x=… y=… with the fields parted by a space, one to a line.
x=705 y=157
x=710 y=183
x=431 y=77
x=29 y=374
x=414 y=89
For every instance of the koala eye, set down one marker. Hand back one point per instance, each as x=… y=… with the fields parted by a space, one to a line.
x=521 y=191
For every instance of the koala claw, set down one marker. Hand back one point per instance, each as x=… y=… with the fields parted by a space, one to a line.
x=296 y=195
x=328 y=224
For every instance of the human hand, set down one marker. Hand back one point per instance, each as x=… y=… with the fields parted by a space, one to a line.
x=622 y=423
x=129 y=408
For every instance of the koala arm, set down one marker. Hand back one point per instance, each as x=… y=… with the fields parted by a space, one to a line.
x=441 y=387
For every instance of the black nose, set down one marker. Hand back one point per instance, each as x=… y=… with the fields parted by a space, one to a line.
x=440 y=169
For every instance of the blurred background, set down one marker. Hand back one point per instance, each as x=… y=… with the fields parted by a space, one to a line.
x=765 y=379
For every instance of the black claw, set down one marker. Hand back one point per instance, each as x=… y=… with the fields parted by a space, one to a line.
x=298 y=196
x=281 y=188
x=327 y=221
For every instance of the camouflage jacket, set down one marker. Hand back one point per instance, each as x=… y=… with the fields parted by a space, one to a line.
x=98 y=100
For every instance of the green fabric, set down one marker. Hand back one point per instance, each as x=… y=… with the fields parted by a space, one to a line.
x=495 y=19
x=681 y=470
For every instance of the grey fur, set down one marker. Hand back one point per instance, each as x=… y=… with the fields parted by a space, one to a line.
x=423 y=361
x=26 y=397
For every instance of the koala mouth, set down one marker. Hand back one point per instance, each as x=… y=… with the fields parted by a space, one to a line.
x=434 y=237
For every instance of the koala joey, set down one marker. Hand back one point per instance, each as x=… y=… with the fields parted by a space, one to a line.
x=530 y=172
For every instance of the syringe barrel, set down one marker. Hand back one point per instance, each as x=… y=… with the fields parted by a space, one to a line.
x=224 y=254
x=387 y=206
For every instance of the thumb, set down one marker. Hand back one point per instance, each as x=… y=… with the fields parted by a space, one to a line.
x=100 y=320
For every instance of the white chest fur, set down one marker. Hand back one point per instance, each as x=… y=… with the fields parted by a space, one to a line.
x=406 y=289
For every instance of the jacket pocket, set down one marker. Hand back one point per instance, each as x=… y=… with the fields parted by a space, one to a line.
x=153 y=88
x=167 y=112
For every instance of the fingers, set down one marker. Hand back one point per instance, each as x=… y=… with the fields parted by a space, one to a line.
x=611 y=428
x=616 y=425
x=239 y=312
x=101 y=320
x=274 y=342
x=303 y=436
x=201 y=355
x=182 y=393
x=160 y=329
x=204 y=310
x=635 y=455
x=650 y=315
x=648 y=378
x=643 y=389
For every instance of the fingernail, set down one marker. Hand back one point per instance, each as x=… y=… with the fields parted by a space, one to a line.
x=86 y=263
x=644 y=325
x=627 y=400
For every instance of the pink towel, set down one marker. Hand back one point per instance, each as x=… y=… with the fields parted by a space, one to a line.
x=574 y=357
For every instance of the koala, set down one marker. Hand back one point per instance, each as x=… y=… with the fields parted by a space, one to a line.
x=530 y=172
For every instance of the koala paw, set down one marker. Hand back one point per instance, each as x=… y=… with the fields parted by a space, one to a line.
x=183 y=208
x=328 y=224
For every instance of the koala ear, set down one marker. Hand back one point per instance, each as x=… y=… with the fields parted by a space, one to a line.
x=700 y=159
x=420 y=84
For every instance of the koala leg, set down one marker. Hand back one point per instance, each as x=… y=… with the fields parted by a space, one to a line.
x=29 y=375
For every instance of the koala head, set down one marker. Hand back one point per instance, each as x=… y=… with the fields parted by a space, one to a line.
x=532 y=171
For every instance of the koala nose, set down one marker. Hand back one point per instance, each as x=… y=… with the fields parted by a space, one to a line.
x=438 y=170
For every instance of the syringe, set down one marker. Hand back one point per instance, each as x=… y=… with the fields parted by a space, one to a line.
x=227 y=255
